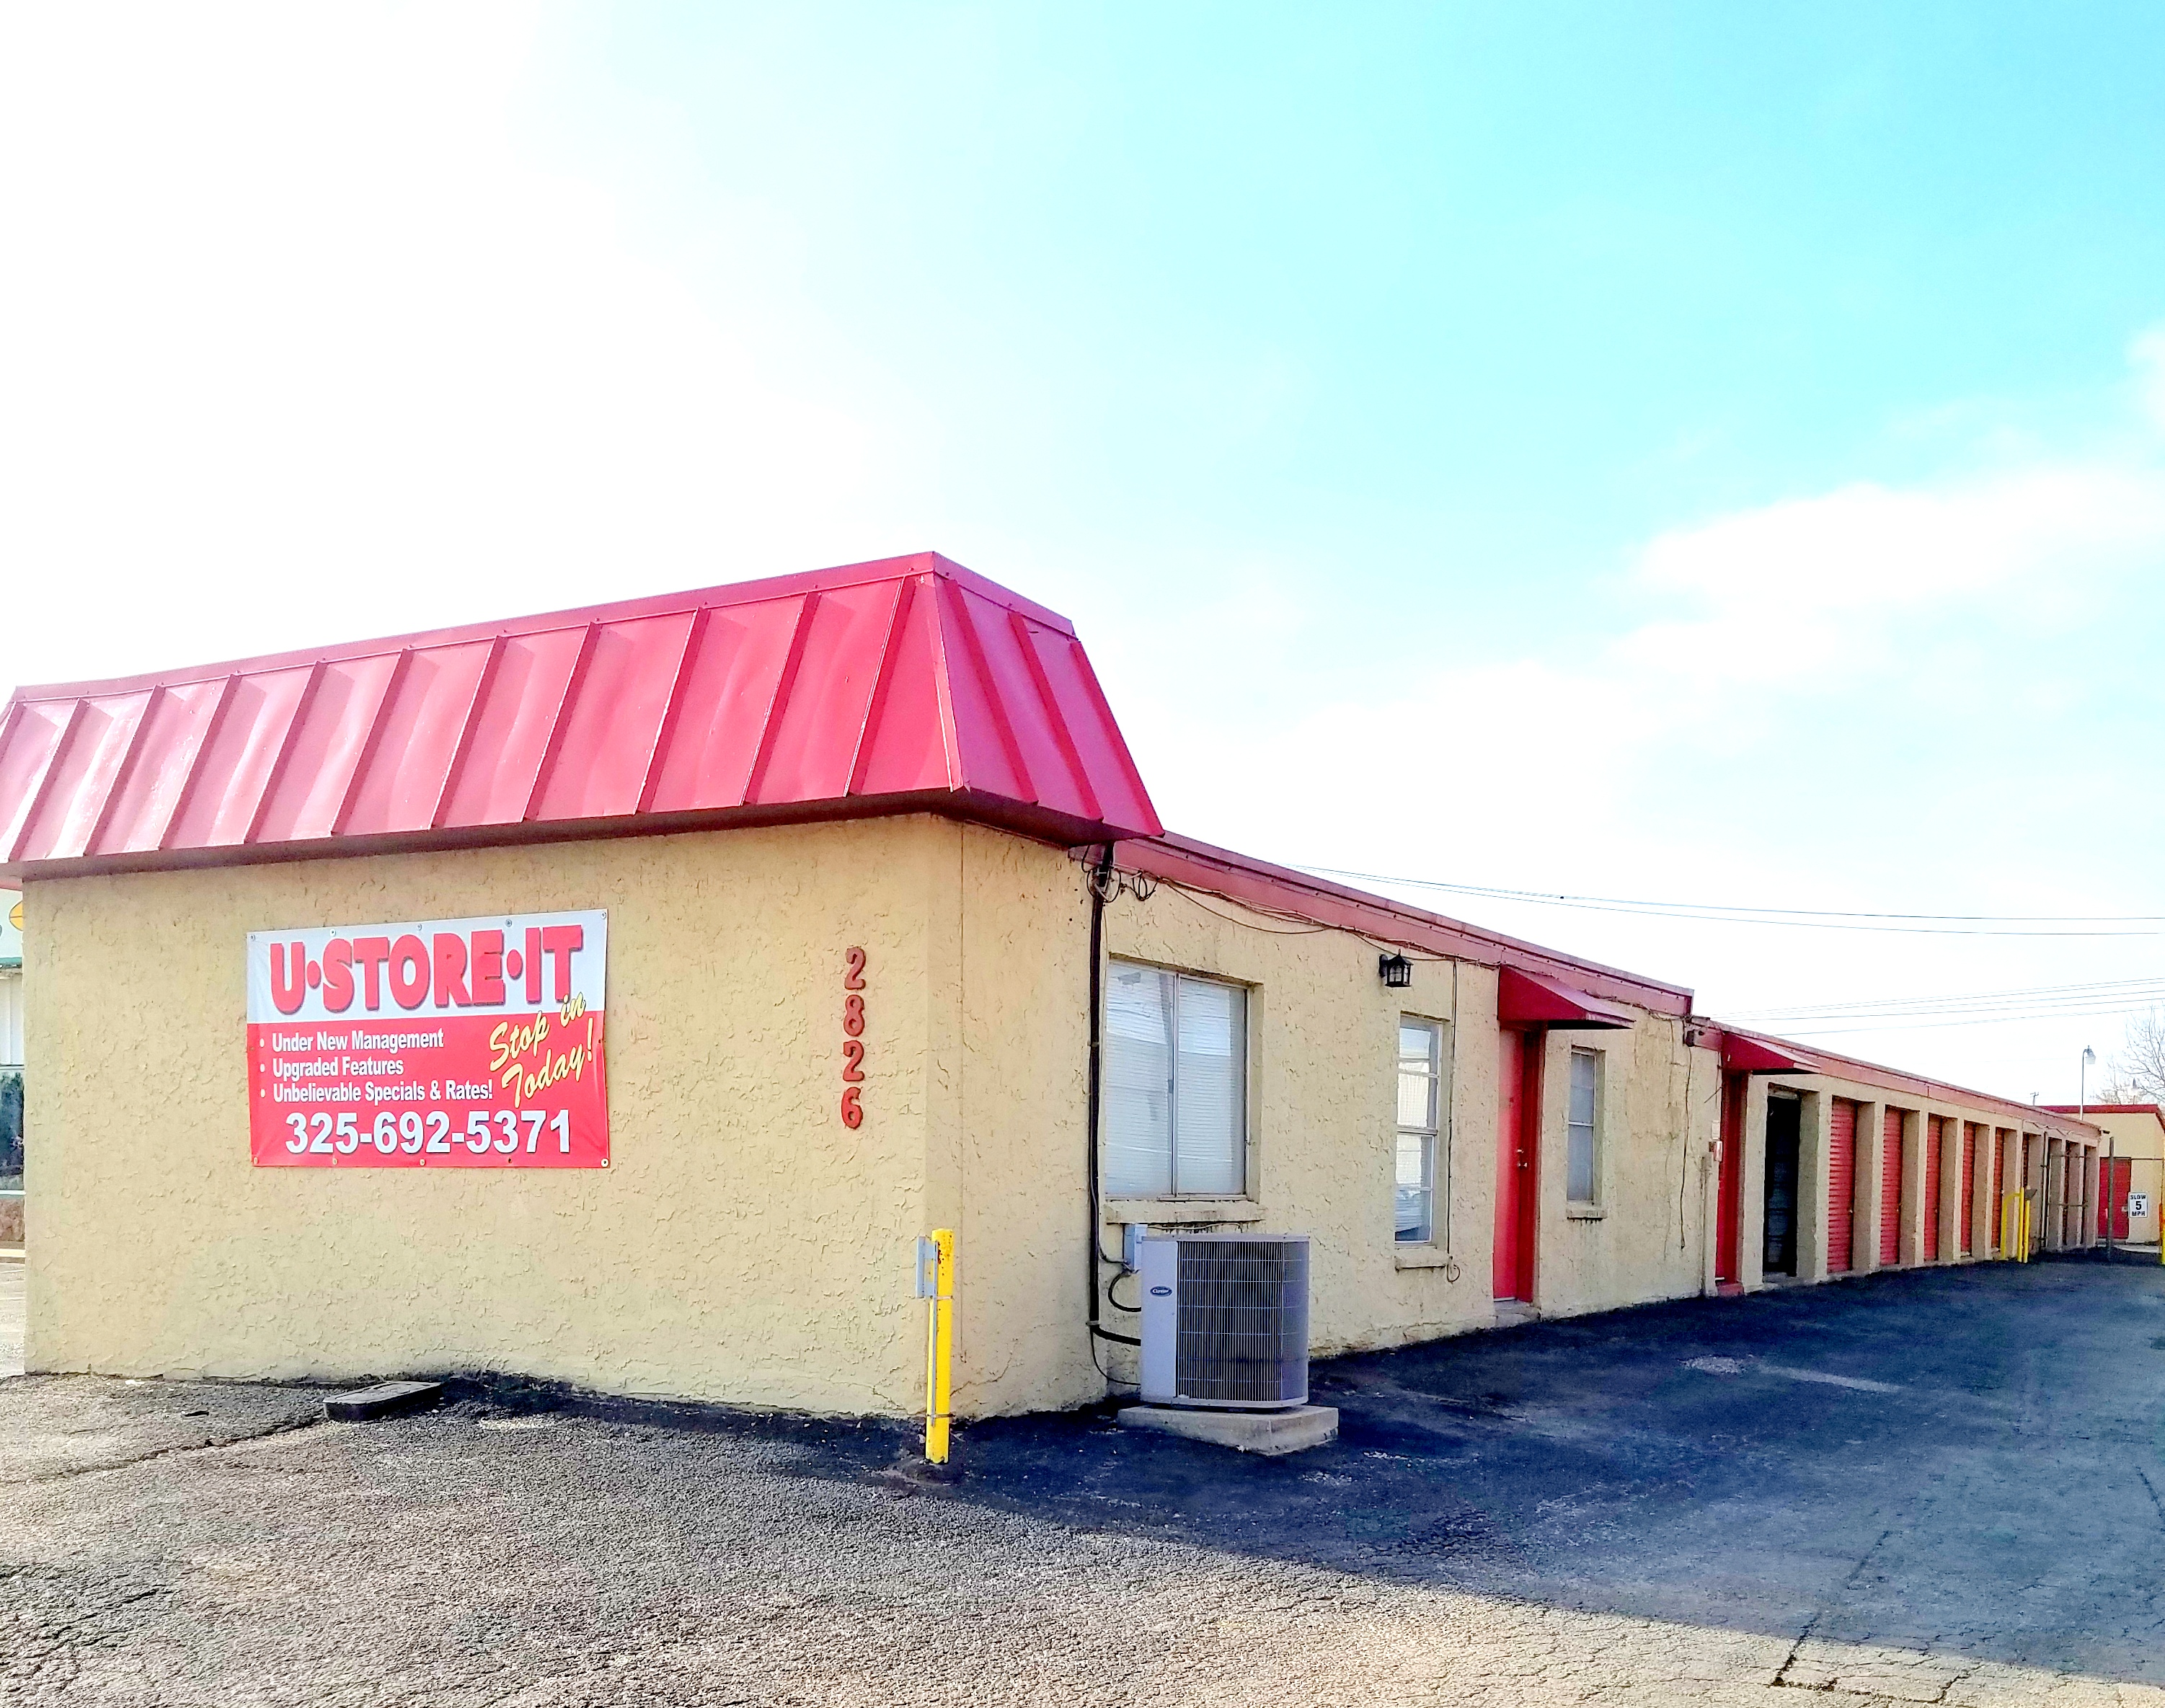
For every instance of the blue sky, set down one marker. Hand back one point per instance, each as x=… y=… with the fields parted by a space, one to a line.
x=1692 y=451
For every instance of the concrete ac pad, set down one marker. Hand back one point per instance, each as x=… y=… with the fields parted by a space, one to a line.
x=1268 y=1432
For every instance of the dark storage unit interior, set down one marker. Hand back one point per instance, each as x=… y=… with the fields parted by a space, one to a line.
x=1783 y=1122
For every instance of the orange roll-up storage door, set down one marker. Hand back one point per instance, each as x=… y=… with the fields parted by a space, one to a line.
x=1935 y=1137
x=1890 y=1187
x=1841 y=1184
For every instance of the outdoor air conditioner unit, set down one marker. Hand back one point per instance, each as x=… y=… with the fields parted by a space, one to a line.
x=1225 y=1321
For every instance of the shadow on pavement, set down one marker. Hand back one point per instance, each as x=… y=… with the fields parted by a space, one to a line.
x=1964 y=1459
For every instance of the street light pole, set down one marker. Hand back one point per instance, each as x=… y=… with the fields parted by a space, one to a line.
x=2081 y=1110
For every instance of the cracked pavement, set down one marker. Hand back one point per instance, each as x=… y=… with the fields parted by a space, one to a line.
x=1645 y=1507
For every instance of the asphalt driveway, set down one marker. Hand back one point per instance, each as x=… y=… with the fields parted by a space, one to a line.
x=1939 y=1488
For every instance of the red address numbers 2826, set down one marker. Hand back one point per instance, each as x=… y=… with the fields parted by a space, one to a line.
x=853 y=1042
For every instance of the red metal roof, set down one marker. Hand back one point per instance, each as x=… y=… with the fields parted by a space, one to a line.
x=905 y=685
x=1255 y=883
x=1739 y=1047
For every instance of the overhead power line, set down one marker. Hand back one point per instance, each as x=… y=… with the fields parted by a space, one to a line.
x=2084 y=988
x=1930 y=1025
x=1801 y=919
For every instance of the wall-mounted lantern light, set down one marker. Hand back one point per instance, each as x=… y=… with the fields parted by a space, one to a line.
x=1398 y=972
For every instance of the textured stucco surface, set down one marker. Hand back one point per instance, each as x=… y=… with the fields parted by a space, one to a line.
x=1649 y=1235
x=743 y=1245
x=1322 y=1078
x=1019 y=1037
x=1322 y=1030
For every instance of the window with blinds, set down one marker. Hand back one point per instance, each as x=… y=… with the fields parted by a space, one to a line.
x=1420 y=1108
x=1581 y=1158
x=1176 y=1084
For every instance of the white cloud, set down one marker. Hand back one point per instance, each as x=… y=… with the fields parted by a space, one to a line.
x=1796 y=590
x=1880 y=697
x=1746 y=621
x=2147 y=354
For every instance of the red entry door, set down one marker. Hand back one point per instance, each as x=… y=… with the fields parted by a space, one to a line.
x=1517 y=1156
x=1730 y=1181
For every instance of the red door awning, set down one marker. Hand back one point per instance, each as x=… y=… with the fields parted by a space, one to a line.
x=1523 y=999
x=1742 y=1055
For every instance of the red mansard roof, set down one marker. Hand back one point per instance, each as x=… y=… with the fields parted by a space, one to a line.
x=1762 y=1052
x=905 y=685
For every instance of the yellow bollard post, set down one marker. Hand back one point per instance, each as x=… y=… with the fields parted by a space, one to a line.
x=940 y=1347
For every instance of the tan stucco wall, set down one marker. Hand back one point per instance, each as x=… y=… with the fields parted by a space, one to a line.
x=1019 y=1033
x=1650 y=1233
x=1322 y=1080
x=743 y=1245
x=1322 y=1127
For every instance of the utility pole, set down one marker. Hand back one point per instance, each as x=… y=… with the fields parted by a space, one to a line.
x=2082 y=1110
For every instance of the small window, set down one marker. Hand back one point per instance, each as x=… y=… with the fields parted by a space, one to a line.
x=1579 y=1170
x=1420 y=1106
x=1176 y=1088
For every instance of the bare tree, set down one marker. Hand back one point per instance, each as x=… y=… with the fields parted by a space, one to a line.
x=2138 y=1066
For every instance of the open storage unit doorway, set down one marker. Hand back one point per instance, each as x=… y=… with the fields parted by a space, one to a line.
x=1784 y=1130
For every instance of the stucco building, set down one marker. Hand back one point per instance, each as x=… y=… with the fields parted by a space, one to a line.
x=613 y=997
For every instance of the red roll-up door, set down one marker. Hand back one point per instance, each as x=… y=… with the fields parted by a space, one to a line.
x=2000 y=1190
x=1935 y=1137
x=1841 y=1184
x=1890 y=1187
x=1968 y=1205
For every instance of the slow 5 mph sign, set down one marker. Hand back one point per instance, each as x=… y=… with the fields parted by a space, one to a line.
x=472 y=1043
